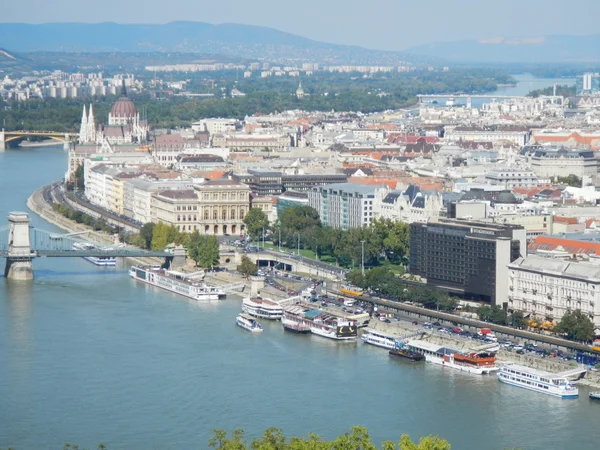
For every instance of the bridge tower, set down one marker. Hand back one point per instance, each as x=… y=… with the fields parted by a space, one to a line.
x=67 y=144
x=18 y=262
x=2 y=140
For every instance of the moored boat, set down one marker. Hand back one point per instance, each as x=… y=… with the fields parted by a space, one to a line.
x=294 y=326
x=406 y=354
x=534 y=380
x=264 y=308
x=477 y=363
x=176 y=282
x=595 y=395
x=379 y=339
x=321 y=323
x=248 y=323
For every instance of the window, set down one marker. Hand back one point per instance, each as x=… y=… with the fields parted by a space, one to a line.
x=224 y=196
x=233 y=213
x=206 y=196
x=224 y=214
x=242 y=213
x=215 y=196
x=215 y=214
x=178 y=218
x=206 y=214
x=233 y=196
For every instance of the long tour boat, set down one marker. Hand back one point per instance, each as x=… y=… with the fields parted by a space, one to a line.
x=103 y=261
x=176 y=282
x=321 y=323
x=474 y=362
x=379 y=339
x=264 y=308
x=248 y=323
x=535 y=380
x=406 y=354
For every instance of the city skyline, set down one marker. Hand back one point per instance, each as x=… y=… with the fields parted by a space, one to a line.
x=391 y=27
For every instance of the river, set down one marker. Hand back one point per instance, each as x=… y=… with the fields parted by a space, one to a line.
x=89 y=356
x=525 y=83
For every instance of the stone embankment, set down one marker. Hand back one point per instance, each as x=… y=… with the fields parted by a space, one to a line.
x=38 y=203
x=552 y=365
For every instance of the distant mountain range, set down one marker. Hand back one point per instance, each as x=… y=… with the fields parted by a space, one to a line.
x=548 y=49
x=243 y=41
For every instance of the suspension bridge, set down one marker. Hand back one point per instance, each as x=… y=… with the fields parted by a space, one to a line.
x=20 y=243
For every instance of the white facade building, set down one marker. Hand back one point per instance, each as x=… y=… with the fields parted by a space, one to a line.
x=344 y=205
x=546 y=288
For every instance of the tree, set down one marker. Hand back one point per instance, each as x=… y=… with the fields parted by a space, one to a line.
x=146 y=234
x=570 y=180
x=204 y=250
x=517 y=320
x=577 y=326
x=247 y=267
x=256 y=222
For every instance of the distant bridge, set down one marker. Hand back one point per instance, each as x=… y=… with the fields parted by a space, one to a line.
x=9 y=136
x=556 y=99
x=20 y=244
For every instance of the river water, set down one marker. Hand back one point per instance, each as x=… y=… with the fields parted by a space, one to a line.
x=88 y=356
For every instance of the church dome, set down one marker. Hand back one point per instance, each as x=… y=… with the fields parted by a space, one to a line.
x=123 y=108
x=506 y=197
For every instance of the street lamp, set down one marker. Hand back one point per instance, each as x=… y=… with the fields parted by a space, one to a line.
x=316 y=248
x=362 y=257
x=263 y=237
x=298 y=244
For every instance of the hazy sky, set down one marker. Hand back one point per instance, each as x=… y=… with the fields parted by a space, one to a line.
x=382 y=24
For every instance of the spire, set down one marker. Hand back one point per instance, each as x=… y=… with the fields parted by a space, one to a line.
x=83 y=137
x=91 y=125
x=123 y=90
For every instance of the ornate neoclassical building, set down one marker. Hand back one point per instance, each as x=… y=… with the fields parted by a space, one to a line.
x=124 y=125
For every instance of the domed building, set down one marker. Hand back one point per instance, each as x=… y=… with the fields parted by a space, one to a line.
x=124 y=125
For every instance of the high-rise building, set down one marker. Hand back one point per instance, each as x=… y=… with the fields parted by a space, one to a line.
x=344 y=205
x=467 y=258
x=588 y=83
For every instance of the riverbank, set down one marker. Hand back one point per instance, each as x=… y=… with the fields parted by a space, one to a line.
x=551 y=365
x=38 y=204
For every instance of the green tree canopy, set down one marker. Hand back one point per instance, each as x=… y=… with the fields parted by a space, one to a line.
x=576 y=325
x=146 y=233
x=204 y=250
x=247 y=267
x=357 y=439
x=256 y=222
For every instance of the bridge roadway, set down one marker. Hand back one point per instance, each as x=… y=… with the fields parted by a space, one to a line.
x=454 y=319
x=117 y=253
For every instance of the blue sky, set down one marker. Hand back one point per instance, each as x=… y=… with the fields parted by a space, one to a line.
x=381 y=24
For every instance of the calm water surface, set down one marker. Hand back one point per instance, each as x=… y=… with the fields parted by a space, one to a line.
x=88 y=356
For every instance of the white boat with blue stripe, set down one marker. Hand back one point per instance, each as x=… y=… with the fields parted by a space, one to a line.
x=535 y=380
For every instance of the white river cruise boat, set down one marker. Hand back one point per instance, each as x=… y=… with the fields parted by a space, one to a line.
x=264 y=308
x=248 y=323
x=176 y=282
x=479 y=363
x=379 y=339
x=535 y=380
x=105 y=261
x=320 y=323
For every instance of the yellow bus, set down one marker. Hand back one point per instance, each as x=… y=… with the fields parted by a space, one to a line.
x=351 y=290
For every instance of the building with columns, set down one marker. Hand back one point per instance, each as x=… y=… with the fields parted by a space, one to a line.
x=223 y=205
x=178 y=208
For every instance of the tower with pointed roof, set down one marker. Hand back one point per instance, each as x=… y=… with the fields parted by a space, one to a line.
x=83 y=135
x=299 y=91
x=91 y=125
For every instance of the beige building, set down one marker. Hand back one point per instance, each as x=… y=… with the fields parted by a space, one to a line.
x=546 y=288
x=179 y=208
x=223 y=205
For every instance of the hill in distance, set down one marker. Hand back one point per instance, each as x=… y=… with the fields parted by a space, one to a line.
x=548 y=49
x=243 y=41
